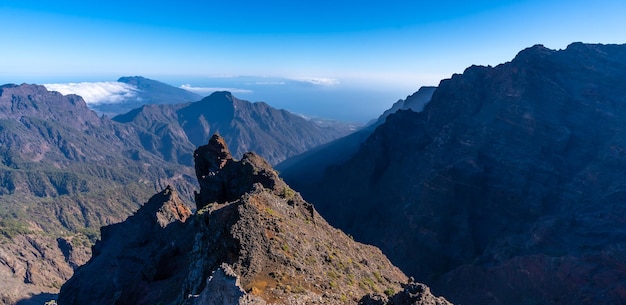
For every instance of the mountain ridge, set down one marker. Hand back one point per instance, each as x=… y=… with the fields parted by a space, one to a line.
x=253 y=240
x=274 y=134
x=509 y=179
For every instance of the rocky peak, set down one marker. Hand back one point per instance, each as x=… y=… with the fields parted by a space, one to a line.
x=224 y=179
x=172 y=208
x=21 y=102
x=253 y=240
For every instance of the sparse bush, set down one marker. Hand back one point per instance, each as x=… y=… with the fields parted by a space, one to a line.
x=389 y=292
x=288 y=193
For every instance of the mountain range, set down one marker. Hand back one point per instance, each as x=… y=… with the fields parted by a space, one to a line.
x=503 y=185
x=65 y=171
x=174 y=130
x=506 y=189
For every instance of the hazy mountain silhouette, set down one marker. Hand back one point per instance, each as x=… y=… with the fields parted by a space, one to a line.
x=148 y=92
x=308 y=168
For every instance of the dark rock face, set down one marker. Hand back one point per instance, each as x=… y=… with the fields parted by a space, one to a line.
x=223 y=179
x=411 y=294
x=258 y=242
x=148 y=249
x=507 y=188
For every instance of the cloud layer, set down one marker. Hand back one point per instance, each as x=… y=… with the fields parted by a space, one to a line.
x=95 y=93
x=320 y=81
x=207 y=90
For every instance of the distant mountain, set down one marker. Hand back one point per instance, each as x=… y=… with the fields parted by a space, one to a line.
x=173 y=130
x=253 y=240
x=508 y=187
x=308 y=168
x=148 y=92
x=415 y=102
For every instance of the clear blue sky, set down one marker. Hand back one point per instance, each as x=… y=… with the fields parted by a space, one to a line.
x=400 y=45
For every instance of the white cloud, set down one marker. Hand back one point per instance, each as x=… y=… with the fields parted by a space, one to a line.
x=207 y=90
x=267 y=83
x=95 y=93
x=321 y=81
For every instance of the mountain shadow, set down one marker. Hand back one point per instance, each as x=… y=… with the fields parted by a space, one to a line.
x=508 y=187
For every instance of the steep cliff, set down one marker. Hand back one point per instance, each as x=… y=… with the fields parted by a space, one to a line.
x=507 y=189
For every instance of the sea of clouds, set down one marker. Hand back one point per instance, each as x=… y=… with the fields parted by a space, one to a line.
x=96 y=93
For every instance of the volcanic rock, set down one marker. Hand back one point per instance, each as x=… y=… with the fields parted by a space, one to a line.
x=508 y=187
x=253 y=240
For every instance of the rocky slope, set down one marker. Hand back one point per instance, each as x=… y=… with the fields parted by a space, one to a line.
x=507 y=189
x=170 y=130
x=64 y=172
x=253 y=240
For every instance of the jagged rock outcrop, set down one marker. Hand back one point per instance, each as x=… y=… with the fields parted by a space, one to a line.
x=507 y=189
x=411 y=294
x=253 y=240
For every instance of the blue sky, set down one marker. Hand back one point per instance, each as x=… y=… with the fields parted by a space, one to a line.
x=391 y=47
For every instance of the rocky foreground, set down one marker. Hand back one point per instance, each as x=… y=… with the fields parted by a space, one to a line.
x=253 y=240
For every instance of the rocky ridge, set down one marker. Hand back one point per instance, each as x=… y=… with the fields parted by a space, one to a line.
x=169 y=130
x=506 y=189
x=253 y=240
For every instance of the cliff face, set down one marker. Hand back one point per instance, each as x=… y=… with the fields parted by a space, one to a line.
x=507 y=188
x=253 y=240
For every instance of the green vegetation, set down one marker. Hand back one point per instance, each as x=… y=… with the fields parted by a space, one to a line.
x=389 y=292
x=367 y=283
x=332 y=274
x=9 y=228
x=288 y=193
x=378 y=277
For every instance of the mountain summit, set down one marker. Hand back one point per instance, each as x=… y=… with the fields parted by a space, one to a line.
x=169 y=130
x=253 y=240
